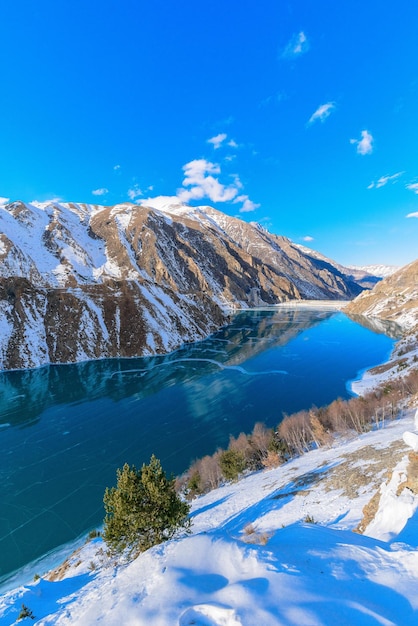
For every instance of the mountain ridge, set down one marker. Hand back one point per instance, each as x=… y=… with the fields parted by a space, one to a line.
x=84 y=281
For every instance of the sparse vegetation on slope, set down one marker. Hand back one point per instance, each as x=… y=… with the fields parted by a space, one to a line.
x=299 y=433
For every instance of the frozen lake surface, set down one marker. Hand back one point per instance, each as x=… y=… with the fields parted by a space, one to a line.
x=65 y=429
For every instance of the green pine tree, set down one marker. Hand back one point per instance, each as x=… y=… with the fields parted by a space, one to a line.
x=232 y=463
x=143 y=509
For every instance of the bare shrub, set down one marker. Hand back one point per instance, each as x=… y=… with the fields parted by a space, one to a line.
x=210 y=472
x=319 y=435
x=295 y=430
x=335 y=417
x=261 y=440
x=242 y=445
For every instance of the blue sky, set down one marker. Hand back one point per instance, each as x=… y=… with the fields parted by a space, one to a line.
x=299 y=115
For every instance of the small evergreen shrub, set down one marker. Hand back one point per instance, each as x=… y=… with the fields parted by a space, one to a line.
x=232 y=464
x=25 y=612
x=194 y=485
x=143 y=510
x=93 y=534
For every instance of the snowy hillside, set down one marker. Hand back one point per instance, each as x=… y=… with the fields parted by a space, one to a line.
x=276 y=548
x=394 y=299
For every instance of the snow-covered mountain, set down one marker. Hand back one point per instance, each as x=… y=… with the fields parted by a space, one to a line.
x=375 y=270
x=395 y=299
x=82 y=281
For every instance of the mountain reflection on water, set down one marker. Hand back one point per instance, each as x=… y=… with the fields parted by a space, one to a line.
x=65 y=429
x=28 y=393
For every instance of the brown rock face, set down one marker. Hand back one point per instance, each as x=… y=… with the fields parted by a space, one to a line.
x=82 y=282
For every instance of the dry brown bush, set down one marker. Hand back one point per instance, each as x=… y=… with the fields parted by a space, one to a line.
x=272 y=460
x=210 y=471
x=261 y=440
x=320 y=435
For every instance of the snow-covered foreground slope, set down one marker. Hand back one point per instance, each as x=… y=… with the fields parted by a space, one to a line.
x=253 y=560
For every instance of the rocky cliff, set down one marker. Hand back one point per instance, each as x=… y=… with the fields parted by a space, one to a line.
x=81 y=281
x=395 y=299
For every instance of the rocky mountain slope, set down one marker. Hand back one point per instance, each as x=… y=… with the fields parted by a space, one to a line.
x=365 y=275
x=80 y=281
x=395 y=299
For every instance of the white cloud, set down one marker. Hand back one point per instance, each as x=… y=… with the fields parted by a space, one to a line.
x=116 y=167
x=322 y=112
x=247 y=204
x=134 y=192
x=198 y=176
x=298 y=45
x=232 y=144
x=413 y=214
x=307 y=238
x=4 y=201
x=413 y=187
x=365 y=144
x=218 y=140
x=384 y=180
x=100 y=192
x=202 y=181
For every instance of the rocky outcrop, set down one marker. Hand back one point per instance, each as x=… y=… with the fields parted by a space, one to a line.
x=395 y=299
x=81 y=281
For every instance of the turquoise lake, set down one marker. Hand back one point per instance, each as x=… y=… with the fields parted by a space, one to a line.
x=65 y=429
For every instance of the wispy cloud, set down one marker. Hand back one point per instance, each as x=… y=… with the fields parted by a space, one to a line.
x=4 y=201
x=221 y=140
x=247 y=205
x=134 y=192
x=365 y=144
x=116 y=167
x=413 y=214
x=273 y=99
x=298 y=45
x=322 y=112
x=413 y=187
x=384 y=180
x=218 y=140
x=100 y=192
x=307 y=238
x=202 y=181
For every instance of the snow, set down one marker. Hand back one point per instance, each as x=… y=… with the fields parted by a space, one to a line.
x=252 y=559
x=376 y=270
x=394 y=509
x=25 y=229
